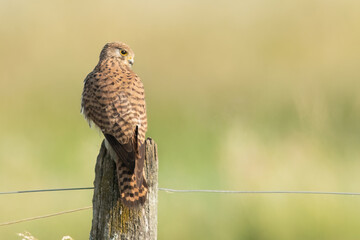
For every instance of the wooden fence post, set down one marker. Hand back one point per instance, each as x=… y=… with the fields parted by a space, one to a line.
x=111 y=219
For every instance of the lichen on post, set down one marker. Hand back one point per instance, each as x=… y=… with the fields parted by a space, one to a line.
x=113 y=220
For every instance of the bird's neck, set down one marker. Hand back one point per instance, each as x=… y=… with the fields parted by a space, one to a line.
x=112 y=63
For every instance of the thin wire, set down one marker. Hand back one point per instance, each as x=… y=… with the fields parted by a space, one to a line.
x=44 y=216
x=47 y=190
x=169 y=190
x=257 y=192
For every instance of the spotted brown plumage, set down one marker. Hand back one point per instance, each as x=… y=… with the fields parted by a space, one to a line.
x=113 y=99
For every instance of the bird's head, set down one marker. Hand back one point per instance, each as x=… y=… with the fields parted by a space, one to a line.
x=120 y=51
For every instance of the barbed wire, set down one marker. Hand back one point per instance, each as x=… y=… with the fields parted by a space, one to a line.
x=169 y=190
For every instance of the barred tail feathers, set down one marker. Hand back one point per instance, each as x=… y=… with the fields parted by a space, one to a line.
x=130 y=194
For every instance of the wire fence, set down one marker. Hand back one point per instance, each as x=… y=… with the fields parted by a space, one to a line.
x=168 y=190
x=44 y=216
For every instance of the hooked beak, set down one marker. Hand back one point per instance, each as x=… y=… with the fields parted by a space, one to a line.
x=131 y=61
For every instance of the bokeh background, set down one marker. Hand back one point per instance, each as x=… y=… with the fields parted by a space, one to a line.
x=241 y=95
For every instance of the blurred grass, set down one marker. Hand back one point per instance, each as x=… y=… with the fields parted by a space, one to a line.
x=249 y=95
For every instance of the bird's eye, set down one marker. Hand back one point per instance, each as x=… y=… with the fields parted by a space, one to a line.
x=123 y=52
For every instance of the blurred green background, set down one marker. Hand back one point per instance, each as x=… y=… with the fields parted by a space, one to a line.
x=241 y=95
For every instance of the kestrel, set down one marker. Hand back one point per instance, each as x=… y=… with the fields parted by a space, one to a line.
x=113 y=99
